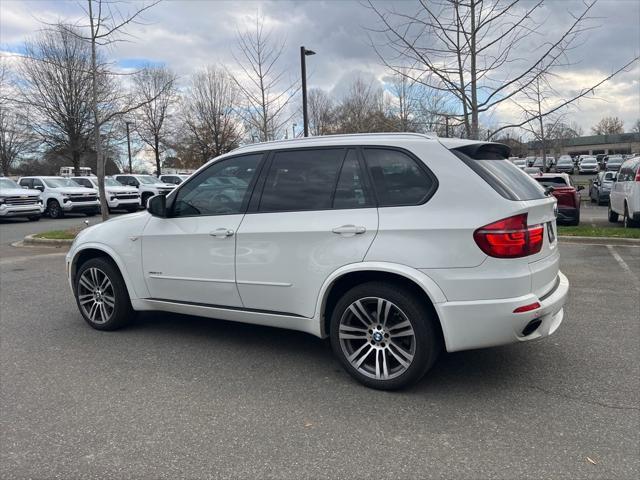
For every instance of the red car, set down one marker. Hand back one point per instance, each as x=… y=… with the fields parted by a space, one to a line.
x=566 y=194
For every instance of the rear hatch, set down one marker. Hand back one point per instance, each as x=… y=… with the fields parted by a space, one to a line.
x=524 y=195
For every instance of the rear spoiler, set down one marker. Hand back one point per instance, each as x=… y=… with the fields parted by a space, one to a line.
x=485 y=151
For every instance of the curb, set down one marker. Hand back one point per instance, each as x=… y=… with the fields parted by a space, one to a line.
x=600 y=240
x=49 y=242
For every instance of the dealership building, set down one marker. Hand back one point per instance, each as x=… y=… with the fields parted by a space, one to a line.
x=623 y=143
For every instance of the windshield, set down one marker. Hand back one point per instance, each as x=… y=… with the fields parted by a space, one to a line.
x=148 y=179
x=8 y=183
x=589 y=160
x=614 y=160
x=110 y=182
x=564 y=161
x=609 y=177
x=59 y=182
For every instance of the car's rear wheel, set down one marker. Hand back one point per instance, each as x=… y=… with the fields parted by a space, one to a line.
x=626 y=219
x=102 y=296
x=613 y=216
x=384 y=335
x=54 y=210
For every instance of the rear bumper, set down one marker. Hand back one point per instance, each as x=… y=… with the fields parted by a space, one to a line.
x=567 y=214
x=488 y=323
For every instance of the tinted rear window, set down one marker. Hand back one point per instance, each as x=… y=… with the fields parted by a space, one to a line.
x=490 y=163
x=398 y=179
x=301 y=180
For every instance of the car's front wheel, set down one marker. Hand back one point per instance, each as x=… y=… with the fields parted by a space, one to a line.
x=384 y=335
x=54 y=210
x=101 y=295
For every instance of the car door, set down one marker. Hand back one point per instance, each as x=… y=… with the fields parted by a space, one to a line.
x=189 y=256
x=315 y=214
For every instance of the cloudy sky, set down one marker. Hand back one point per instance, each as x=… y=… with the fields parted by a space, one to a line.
x=188 y=34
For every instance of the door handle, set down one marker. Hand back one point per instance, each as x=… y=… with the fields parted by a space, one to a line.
x=349 y=230
x=221 y=232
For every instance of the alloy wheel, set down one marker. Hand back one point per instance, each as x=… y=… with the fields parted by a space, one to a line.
x=377 y=338
x=96 y=295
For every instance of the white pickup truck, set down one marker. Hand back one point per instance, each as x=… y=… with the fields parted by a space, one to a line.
x=147 y=185
x=61 y=195
x=19 y=202
x=119 y=197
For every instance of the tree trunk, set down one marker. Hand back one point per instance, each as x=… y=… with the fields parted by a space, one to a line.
x=474 y=75
x=156 y=150
x=104 y=207
x=75 y=155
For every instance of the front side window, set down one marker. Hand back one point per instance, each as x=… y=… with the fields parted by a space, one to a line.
x=398 y=179
x=221 y=189
x=301 y=180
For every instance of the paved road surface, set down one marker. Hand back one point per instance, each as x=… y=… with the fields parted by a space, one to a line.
x=175 y=396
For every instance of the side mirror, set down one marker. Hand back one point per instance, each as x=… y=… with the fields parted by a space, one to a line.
x=157 y=206
x=39 y=187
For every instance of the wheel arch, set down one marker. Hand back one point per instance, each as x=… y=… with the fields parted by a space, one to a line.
x=351 y=275
x=99 y=251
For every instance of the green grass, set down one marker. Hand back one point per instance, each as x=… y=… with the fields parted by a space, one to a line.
x=57 y=235
x=588 y=231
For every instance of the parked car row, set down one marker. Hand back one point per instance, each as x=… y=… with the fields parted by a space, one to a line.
x=583 y=164
x=566 y=193
x=55 y=196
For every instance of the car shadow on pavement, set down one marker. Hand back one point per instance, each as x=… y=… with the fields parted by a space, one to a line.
x=490 y=368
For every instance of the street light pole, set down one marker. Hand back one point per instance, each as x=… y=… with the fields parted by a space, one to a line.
x=129 y=147
x=303 y=66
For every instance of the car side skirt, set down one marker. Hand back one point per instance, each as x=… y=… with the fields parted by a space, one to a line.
x=268 y=319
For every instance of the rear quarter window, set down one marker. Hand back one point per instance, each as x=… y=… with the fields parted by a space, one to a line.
x=490 y=163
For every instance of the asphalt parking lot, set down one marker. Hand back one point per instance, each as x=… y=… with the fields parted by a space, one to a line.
x=176 y=396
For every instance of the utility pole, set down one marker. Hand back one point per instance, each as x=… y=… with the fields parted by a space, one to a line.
x=129 y=147
x=303 y=66
x=293 y=129
x=446 y=125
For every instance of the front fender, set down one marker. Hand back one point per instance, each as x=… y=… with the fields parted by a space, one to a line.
x=135 y=286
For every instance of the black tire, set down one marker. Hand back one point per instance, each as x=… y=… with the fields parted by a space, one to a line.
x=54 y=210
x=613 y=216
x=575 y=221
x=627 y=221
x=145 y=198
x=34 y=218
x=117 y=316
x=426 y=340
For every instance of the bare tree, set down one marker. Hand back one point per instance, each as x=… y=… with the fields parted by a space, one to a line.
x=155 y=90
x=15 y=136
x=56 y=86
x=210 y=106
x=361 y=110
x=321 y=112
x=472 y=50
x=608 y=126
x=107 y=25
x=636 y=126
x=261 y=81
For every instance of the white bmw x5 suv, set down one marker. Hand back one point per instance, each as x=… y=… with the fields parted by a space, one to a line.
x=394 y=246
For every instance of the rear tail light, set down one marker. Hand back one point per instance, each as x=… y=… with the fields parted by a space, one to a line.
x=638 y=175
x=510 y=238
